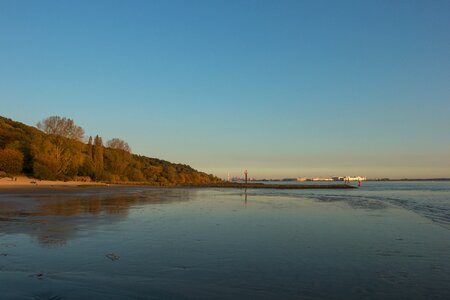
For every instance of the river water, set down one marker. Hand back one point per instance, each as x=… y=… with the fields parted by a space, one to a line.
x=386 y=240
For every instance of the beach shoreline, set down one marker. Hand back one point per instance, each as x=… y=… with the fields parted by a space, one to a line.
x=23 y=182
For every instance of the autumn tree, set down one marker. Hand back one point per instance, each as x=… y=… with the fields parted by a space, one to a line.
x=45 y=165
x=61 y=157
x=64 y=127
x=119 y=144
x=56 y=152
x=11 y=161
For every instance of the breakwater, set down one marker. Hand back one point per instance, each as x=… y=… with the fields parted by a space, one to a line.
x=235 y=185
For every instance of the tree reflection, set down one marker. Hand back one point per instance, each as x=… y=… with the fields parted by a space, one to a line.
x=53 y=218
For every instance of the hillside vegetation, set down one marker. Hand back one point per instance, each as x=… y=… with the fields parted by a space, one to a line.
x=57 y=150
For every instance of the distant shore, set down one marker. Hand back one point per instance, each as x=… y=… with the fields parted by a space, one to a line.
x=368 y=179
x=410 y=179
x=23 y=182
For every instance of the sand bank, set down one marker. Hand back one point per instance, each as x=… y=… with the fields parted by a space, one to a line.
x=26 y=182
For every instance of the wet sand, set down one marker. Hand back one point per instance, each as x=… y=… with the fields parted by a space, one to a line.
x=147 y=243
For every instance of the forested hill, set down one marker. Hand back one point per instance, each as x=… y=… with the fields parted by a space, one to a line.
x=58 y=150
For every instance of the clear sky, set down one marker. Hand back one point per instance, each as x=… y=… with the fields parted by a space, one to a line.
x=282 y=88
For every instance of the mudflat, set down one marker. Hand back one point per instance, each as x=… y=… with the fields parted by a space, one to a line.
x=380 y=242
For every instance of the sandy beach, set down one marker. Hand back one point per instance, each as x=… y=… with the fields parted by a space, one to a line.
x=26 y=182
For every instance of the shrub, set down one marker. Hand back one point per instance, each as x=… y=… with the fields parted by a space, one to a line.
x=11 y=161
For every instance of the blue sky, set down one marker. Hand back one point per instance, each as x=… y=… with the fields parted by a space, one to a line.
x=282 y=88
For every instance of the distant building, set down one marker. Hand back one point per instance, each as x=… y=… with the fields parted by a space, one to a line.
x=303 y=179
x=355 y=178
x=313 y=179
x=349 y=178
x=321 y=179
x=334 y=178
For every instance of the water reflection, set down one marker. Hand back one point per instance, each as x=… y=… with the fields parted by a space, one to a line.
x=55 y=217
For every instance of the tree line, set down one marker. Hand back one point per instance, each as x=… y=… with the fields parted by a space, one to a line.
x=56 y=149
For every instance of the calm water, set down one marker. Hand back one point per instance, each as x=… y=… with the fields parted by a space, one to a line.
x=382 y=241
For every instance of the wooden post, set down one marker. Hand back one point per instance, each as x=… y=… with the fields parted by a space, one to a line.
x=245 y=173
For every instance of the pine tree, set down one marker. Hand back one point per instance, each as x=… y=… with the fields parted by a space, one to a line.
x=89 y=148
x=98 y=157
x=88 y=164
